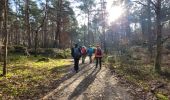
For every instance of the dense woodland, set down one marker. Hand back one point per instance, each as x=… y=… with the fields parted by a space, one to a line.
x=143 y=29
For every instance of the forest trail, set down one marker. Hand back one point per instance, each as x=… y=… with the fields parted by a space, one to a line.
x=90 y=83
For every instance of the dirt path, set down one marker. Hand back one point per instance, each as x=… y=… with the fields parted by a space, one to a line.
x=90 y=84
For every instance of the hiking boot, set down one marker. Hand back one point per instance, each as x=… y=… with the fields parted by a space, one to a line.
x=76 y=71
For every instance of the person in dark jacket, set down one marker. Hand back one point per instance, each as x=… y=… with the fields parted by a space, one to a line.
x=76 y=54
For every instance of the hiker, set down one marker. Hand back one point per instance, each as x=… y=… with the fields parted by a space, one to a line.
x=90 y=53
x=83 y=52
x=98 y=56
x=76 y=54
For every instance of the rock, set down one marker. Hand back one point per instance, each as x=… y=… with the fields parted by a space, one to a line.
x=149 y=94
x=139 y=90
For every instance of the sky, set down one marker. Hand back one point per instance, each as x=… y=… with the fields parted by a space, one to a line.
x=114 y=12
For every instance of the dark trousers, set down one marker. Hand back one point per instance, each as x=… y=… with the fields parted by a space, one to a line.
x=98 y=61
x=76 y=64
x=83 y=58
x=90 y=58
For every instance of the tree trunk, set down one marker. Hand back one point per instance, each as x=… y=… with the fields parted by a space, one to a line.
x=88 y=23
x=58 y=32
x=159 y=37
x=150 y=47
x=128 y=31
x=18 y=22
x=103 y=8
x=84 y=37
x=1 y=18
x=45 y=38
x=92 y=38
x=27 y=23
x=6 y=36
x=36 y=42
x=56 y=37
x=38 y=29
x=45 y=35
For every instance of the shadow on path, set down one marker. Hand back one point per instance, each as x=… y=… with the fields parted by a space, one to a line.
x=82 y=73
x=68 y=76
x=84 y=84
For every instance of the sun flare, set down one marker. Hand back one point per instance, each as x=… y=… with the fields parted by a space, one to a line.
x=114 y=13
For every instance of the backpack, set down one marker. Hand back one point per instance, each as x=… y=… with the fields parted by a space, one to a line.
x=90 y=51
x=83 y=51
x=99 y=52
x=77 y=53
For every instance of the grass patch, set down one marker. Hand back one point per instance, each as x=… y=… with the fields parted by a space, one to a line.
x=26 y=76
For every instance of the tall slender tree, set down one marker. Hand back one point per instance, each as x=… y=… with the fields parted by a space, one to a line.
x=39 y=27
x=27 y=22
x=157 y=7
x=159 y=36
x=103 y=10
x=5 y=17
x=1 y=17
x=86 y=7
x=150 y=43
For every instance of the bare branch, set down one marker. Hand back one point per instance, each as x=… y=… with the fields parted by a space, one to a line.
x=138 y=2
x=153 y=3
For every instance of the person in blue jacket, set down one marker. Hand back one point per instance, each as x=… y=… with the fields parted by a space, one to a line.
x=90 y=53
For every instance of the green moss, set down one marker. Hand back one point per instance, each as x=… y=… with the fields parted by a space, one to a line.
x=25 y=74
x=161 y=96
x=0 y=70
x=130 y=78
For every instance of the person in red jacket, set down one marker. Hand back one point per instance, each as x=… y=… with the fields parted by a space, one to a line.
x=83 y=52
x=98 y=56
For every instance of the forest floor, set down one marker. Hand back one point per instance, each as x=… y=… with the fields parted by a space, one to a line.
x=54 y=79
x=90 y=83
x=136 y=71
x=29 y=77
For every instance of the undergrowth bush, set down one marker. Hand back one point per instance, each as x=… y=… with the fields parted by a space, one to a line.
x=18 y=49
x=52 y=52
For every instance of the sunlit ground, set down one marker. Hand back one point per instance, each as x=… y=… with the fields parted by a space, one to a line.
x=27 y=76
